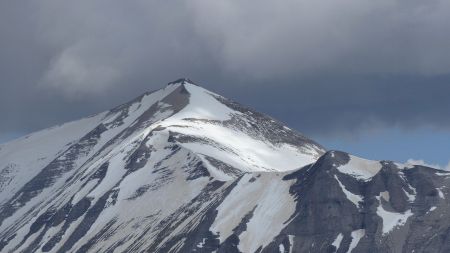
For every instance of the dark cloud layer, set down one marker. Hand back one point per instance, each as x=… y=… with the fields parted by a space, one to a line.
x=324 y=67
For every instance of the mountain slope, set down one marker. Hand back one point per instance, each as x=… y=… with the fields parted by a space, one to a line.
x=182 y=169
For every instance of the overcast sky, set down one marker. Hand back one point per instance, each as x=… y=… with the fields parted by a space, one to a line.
x=368 y=77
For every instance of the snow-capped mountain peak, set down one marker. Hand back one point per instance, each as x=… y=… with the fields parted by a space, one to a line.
x=218 y=129
x=183 y=169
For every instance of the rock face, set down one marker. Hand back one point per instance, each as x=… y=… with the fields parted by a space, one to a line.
x=183 y=169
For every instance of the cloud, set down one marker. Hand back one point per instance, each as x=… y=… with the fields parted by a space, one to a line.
x=324 y=67
x=99 y=42
x=423 y=163
x=269 y=39
x=72 y=74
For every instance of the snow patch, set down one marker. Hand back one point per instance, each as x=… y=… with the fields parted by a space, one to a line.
x=385 y=195
x=202 y=243
x=356 y=236
x=274 y=205
x=203 y=105
x=411 y=197
x=291 y=242
x=356 y=199
x=237 y=148
x=337 y=242
x=361 y=169
x=440 y=193
x=392 y=220
x=215 y=173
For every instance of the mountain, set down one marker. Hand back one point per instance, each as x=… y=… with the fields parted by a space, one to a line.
x=182 y=169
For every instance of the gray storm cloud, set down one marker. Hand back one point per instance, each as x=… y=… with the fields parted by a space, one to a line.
x=345 y=61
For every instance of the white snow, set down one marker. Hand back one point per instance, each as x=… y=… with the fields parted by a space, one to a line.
x=441 y=194
x=361 y=169
x=385 y=195
x=154 y=192
x=233 y=146
x=392 y=220
x=356 y=199
x=202 y=105
x=411 y=197
x=274 y=205
x=202 y=243
x=28 y=155
x=337 y=242
x=216 y=173
x=242 y=151
x=291 y=242
x=356 y=236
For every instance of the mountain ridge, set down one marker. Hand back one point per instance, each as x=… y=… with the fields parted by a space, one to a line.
x=182 y=169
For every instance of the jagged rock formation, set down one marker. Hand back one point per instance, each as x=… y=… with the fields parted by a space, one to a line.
x=183 y=169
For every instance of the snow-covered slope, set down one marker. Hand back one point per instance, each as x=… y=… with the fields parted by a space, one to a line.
x=183 y=169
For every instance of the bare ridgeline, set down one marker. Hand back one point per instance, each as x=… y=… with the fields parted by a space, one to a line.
x=182 y=169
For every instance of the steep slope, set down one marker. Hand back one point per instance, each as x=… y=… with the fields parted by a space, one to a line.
x=139 y=152
x=348 y=204
x=183 y=169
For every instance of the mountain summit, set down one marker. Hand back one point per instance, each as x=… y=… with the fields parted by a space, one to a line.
x=182 y=169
